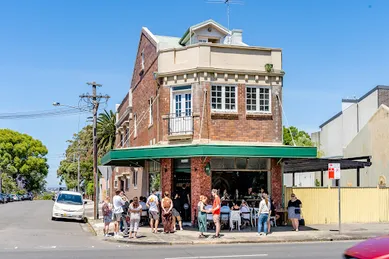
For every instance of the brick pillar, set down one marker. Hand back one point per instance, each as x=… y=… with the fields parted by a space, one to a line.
x=201 y=183
x=276 y=182
x=166 y=175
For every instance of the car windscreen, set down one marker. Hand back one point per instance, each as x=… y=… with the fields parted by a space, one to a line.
x=69 y=199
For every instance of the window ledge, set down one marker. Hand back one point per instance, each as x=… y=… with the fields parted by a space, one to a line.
x=259 y=115
x=224 y=115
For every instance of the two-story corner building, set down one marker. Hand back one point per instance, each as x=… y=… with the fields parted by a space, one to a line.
x=205 y=112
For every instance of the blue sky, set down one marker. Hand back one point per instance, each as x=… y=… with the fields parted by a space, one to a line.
x=50 y=49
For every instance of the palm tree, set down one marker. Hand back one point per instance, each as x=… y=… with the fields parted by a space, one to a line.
x=106 y=131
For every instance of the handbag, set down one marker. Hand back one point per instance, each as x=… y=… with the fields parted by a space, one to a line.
x=302 y=222
x=297 y=210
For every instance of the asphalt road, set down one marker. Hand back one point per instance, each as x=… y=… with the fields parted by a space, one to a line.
x=26 y=231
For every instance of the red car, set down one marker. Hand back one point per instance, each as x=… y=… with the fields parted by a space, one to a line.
x=374 y=248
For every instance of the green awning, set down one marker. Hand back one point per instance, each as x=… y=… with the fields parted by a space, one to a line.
x=137 y=155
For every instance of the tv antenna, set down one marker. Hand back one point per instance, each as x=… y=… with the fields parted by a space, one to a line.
x=228 y=3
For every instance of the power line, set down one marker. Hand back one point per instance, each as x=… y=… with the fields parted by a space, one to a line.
x=39 y=114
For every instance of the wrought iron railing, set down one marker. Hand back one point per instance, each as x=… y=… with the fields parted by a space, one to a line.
x=180 y=124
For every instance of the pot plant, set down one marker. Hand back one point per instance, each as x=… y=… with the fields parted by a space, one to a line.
x=269 y=68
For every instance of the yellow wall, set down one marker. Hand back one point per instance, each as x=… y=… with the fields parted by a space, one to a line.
x=320 y=205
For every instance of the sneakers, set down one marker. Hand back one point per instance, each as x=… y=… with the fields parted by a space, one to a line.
x=106 y=235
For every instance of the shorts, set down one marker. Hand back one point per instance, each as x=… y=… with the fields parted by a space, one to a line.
x=176 y=213
x=117 y=216
x=107 y=219
x=154 y=215
x=216 y=218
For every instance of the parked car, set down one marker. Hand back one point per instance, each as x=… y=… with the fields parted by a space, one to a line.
x=15 y=197
x=9 y=197
x=3 y=198
x=374 y=248
x=69 y=205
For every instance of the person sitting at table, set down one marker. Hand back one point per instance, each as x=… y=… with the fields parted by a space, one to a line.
x=273 y=215
x=249 y=192
x=235 y=206
x=245 y=210
x=226 y=196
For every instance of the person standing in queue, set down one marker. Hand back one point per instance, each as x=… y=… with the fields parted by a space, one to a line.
x=185 y=202
x=216 y=212
x=176 y=211
x=153 y=203
x=167 y=216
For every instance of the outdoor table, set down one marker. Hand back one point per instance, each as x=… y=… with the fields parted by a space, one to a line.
x=283 y=216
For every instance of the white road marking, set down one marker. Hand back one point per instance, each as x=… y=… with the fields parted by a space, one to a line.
x=219 y=256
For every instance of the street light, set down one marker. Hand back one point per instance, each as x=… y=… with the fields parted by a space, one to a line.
x=57 y=104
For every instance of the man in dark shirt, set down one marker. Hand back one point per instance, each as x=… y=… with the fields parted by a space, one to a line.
x=184 y=199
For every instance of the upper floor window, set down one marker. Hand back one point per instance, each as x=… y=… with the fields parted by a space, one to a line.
x=258 y=99
x=151 y=111
x=135 y=127
x=223 y=98
x=143 y=59
x=203 y=40
x=126 y=137
x=121 y=139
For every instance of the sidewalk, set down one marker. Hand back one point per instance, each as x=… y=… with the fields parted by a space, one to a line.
x=282 y=234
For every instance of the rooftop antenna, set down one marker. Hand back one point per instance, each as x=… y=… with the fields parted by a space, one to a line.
x=226 y=2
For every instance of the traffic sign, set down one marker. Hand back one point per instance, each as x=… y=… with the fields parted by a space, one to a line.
x=334 y=171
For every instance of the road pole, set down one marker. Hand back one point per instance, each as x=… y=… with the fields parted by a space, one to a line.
x=95 y=174
x=95 y=100
x=78 y=172
x=340 y=210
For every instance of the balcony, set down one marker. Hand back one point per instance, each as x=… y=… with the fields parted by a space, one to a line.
x=218 y=58
x=180 y=126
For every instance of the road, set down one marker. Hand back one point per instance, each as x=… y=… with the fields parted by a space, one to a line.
x=26 y=231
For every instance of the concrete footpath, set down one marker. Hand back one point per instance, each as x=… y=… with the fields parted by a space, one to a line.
x=282 y=234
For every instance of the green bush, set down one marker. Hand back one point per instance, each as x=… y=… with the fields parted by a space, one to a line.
x=45 y=196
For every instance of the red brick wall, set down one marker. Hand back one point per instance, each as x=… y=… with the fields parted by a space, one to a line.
x=167 y=175
x=276 y=181
x=240 y=127
x=143 y=88
x=228 y=127
x=201 y=183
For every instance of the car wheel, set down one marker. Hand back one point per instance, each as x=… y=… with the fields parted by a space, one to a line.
x=53 y=219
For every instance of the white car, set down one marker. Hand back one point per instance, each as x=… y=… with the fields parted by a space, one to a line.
x=69 y=205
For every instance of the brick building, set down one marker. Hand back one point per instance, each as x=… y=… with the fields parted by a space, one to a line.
x=203 y=110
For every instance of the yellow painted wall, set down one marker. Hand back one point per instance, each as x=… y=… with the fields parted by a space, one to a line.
x=359 y=205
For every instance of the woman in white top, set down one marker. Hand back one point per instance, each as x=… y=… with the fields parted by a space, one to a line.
x=263 y=212
x=135 y=210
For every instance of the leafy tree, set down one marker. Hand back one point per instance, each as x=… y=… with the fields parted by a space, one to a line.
x=300 y=137
x=82 y=145
x=22 y=159
x=79 y=145
x=106 y=130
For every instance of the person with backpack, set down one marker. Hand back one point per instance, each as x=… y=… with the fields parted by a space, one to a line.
x=107 y=215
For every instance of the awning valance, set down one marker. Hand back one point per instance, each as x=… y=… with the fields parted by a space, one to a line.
x=130 y=156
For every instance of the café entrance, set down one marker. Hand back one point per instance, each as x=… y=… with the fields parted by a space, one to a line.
x=182 y=185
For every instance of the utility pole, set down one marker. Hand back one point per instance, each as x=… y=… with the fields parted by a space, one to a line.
x=95 y=100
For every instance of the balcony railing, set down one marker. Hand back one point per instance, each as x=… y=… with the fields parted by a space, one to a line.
x=180 y=124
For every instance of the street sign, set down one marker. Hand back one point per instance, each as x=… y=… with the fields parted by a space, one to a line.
x=334 y=171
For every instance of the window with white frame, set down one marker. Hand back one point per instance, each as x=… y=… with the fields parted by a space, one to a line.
x=128 y=183
x=135 y=126
x=121 y=139
x=135 y=177
x=258 y=99
x=115 y=184
x=126 y=137
x=143 y=59
x=151 y=111
x=223 y=98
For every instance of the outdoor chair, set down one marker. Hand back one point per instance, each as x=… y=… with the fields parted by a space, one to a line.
x=235 y=218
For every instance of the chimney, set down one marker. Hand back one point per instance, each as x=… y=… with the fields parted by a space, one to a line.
x=348 y=102
x=236 y=37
